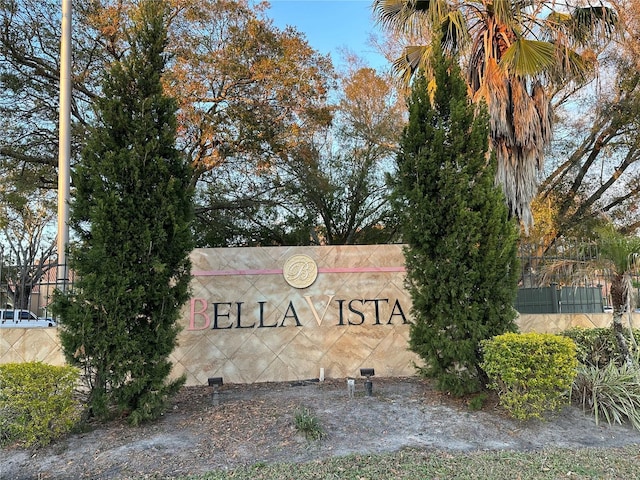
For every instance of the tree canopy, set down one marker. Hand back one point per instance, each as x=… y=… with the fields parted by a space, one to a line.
x=328 y=188
x=593 y=175
x=246 y=90
x=514 y=53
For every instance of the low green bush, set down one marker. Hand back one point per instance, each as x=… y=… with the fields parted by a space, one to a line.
x=36 y=403
x=532 y=372
x=597 y=347
x=611 y=392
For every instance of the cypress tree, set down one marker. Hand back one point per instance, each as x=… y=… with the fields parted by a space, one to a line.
x=461 y=245
x=132 y=210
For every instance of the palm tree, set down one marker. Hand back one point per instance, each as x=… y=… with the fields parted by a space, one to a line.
x=618 y=258
x=514 y=52
x=619 y=254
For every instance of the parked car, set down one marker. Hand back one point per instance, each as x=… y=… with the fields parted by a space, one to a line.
x=23 y=319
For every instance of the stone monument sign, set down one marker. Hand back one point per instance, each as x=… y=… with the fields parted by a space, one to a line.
x=284 y=313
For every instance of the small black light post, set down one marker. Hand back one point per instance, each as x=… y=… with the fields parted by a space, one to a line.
x=215 y=382
x=368 y=384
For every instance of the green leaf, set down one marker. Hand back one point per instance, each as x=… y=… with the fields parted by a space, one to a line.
x=454 y=31
x=414 y=57
x=528 y=57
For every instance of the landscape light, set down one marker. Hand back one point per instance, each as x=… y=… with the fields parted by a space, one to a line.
x=216 y=383
x=367 y=372
x=368 y=384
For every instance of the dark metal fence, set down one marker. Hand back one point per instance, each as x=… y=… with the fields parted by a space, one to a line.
x=566 y=277
x=29 y=287
x=556 y=299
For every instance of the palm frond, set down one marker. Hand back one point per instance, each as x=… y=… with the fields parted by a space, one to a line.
x=577 y=65
x=588 y=21
x=405 y=16
x=494 y=89
x=528 y=57
x=622 y=250
x=504 y=11
x=556 y=21
x=413 y=58
x=571 y=271
x=525 y=117
x=454 y=31
x=582 y=25
x=543 y=106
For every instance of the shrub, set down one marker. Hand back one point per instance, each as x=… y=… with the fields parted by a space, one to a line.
x=308 y=424
x=461 y=253
x=36 y=402
x=119 y=323
x=611 y=392
x=532 y=373
x=596 y=347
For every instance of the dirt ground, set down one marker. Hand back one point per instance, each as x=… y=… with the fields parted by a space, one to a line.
x=248 y=424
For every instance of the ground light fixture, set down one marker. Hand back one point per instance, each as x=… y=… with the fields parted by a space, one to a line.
x=368 y=384
x=216 y=383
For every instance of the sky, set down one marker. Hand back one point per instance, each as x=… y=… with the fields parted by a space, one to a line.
x=330 y=25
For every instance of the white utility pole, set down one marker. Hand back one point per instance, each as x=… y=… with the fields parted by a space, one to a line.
x=64 y=145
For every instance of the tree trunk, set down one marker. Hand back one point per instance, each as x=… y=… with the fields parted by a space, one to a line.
x=618 y=300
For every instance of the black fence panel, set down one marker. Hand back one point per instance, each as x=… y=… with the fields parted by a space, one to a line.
x=556 y=299
x=581 y=300
x=537 y=300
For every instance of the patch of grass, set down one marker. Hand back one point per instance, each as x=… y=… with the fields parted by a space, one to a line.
x=581 y=464
x=476 y=402
x=308 y=424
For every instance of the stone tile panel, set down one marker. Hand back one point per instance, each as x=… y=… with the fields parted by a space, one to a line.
x=326 y=325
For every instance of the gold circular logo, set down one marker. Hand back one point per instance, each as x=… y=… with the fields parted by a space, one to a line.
x=300 y=271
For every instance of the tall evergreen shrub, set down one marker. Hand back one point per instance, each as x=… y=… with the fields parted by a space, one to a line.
x=131 y=211
x=461 y=245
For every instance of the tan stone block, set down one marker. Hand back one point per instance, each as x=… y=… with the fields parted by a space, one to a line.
x=177 y=370
x=54 y=357
x=232 y=374
x=203 y=356
x=326 y=336
x=22 y=348
x=337 y=368
x=277 y=371
x=253 y=359
x=5 y=346
x=229 y=341
x=345 y=352
x=186 y=341
x=393 y=354
x=277 y=339
x=11 y=356
x=12 y=335
x=603 y=320
x=303 y=358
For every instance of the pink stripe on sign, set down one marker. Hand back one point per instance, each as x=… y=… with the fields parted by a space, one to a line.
x=361 y=269
x=219 y=273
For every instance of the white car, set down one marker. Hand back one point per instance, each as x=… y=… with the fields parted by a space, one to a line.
x=23 y=319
